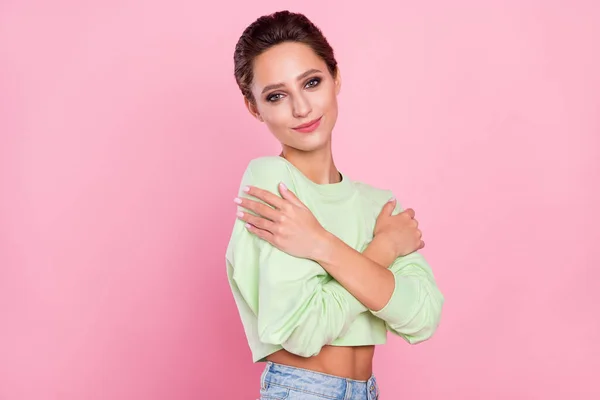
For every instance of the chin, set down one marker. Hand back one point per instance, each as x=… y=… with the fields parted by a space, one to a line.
x=308 y=142
x=305 y=148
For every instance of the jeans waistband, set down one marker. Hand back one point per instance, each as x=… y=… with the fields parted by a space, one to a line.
x=329 y=386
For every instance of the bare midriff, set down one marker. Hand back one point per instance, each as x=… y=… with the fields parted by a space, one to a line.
x=343 y=361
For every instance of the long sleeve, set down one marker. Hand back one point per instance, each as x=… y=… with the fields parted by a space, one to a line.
x=414 y=309
x=297 y=304
x=300 y=306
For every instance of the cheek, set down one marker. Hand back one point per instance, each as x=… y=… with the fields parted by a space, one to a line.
x=277 y=116
x=327 y=100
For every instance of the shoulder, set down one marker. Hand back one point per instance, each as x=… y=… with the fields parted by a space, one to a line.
x=268 y=166
x=267 y=172
x=373 y=195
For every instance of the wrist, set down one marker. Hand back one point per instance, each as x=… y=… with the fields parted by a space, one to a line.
x=323 y=251
x=381 y=250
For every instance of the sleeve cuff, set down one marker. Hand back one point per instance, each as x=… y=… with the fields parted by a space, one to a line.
x=405 y=289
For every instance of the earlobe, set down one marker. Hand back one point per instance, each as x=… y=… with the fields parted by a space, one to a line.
x=252 y=109
x=338 y=81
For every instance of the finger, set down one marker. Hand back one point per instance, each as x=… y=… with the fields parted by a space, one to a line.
x=289 y=195
x=259 y=208
x=258 y=222
x=261 y=233
x=421 y=245
x=410 y=212
x=388 y=207
x=266 y=196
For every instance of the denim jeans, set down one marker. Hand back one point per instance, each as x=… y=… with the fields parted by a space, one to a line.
x=280 y=382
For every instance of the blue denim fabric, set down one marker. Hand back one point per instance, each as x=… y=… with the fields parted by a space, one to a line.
x=282 y=382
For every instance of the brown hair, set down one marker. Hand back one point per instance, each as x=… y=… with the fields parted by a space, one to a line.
x=273 y=29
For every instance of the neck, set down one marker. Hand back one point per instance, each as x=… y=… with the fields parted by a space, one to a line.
x=318 y=165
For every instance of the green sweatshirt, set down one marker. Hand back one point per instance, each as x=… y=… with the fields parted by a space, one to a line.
x=293 y=303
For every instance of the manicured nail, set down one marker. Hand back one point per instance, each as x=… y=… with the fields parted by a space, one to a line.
x=240 y=214
x=283 y=186
x=237 y=200
x=246 y=189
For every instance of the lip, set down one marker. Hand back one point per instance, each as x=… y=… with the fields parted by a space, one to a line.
x=309 y=126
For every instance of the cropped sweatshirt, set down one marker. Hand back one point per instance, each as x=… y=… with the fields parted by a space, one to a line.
x=292 y=303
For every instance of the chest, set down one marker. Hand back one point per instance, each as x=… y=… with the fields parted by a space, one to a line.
x=350 y=221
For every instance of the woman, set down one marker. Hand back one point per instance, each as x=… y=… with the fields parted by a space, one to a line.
x=321 y=267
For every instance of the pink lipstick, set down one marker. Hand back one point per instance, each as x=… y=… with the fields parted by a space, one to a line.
x=309 y=126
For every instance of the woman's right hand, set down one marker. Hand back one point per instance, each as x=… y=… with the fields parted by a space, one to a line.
x=402 y=230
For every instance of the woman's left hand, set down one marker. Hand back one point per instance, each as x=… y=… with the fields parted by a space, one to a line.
x=285 y=222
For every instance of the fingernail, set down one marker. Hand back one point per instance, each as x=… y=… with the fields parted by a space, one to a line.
x=283 y=186
x=246 y=189
x=237 y=200
x=240 y=214
x=392 y=199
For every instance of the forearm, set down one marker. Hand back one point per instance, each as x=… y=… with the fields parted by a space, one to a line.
x=362 y=276
x=380 y=251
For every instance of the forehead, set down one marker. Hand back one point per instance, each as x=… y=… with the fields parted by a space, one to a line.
x=284 y=62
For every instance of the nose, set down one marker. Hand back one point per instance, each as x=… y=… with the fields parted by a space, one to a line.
x=301 y=107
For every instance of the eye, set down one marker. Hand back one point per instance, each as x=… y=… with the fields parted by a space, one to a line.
x=274 y=97
x=313 y=82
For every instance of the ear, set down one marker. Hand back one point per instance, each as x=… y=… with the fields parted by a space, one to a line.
x=252 y=109
x=337 y=80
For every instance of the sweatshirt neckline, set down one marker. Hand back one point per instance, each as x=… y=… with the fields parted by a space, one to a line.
x=340 y=189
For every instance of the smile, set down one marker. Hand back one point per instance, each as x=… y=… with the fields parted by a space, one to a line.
x=309 y=126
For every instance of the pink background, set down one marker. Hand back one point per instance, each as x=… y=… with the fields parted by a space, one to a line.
x=123 y=138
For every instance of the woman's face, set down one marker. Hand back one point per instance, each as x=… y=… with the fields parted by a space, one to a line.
x=292 y=87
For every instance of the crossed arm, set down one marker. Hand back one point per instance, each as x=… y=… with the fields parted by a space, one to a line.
x=309 y=311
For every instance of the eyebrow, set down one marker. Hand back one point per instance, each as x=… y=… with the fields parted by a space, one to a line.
x=300 y=77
